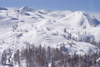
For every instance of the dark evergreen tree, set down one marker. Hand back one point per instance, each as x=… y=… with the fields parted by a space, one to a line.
x=4 y=58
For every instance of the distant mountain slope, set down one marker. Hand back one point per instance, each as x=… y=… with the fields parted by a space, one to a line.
x=2 y=8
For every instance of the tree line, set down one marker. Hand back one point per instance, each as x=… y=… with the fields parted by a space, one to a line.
x=39 y=56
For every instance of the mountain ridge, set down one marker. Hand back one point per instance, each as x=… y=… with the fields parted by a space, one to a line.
x=2 y=8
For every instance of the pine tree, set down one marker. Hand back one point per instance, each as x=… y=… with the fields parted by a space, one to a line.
x=65 y=30
x=4 y=57
x=53 y=64
x=48 y=54
x=69 y=36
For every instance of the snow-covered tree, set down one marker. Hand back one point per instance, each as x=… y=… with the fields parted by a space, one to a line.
x=4 y=57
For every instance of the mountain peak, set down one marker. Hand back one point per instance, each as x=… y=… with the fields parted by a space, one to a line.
x=79 y=19
x=26 y=8
x=2 y=8
x=80 y=12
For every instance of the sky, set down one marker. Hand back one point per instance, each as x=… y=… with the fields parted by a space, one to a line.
x=89 y=6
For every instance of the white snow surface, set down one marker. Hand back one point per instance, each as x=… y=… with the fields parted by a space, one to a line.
x=46 y=27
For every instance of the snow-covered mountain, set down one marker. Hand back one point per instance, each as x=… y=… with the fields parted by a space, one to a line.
x=2 y=8
x=50 y=28
x=27 y=9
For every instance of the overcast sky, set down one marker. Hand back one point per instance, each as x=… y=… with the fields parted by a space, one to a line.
x=89 y=6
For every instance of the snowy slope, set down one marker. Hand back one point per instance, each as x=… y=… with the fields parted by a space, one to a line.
x=80 y=19
x=46 y=27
